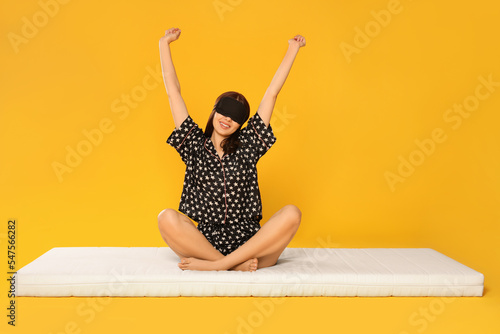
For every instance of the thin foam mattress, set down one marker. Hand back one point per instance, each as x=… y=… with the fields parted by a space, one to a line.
x=153 y=272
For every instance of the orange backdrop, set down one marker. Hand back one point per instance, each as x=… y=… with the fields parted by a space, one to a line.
x=387 y=132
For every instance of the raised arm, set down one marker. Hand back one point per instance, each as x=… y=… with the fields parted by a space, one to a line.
x=177 y=105
x=266 y=106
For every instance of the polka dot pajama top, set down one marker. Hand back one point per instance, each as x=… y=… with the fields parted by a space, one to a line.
x=222 y=194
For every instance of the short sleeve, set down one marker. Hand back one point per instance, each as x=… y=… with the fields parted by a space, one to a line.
x=186 y=139
x=257 y=137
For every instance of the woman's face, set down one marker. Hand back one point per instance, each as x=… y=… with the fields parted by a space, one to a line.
x=224 y=125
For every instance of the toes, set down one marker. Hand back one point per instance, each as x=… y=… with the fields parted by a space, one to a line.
x=253 y=264
x=184 y=264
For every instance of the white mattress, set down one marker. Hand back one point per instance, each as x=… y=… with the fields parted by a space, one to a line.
x=153 y=271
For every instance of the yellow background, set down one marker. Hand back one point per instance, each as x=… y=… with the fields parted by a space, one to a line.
x=341 y=122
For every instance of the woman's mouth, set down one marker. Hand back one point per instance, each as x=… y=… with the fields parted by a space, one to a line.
x=223 y=125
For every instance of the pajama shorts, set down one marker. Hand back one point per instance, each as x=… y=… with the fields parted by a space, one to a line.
x=226 y=238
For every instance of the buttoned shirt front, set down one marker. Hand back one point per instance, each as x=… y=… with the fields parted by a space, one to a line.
x=221 y=190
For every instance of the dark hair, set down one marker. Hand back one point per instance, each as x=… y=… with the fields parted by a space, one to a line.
x=231 y=143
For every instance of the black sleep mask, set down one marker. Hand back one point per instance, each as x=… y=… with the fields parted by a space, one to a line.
x=232 y=108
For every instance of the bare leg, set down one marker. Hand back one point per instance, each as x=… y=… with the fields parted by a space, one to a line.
x=266 y=245
x=182 y=236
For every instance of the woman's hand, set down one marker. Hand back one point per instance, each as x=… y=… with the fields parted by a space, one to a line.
x=298 y=40
x=171 y=35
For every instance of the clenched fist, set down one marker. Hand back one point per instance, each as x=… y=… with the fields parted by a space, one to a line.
x=171 y=35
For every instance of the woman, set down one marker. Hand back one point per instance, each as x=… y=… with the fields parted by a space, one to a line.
x=220 y=191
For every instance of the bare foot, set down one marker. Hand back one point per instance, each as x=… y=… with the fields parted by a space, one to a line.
x=192 y=263
x=248 y=265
